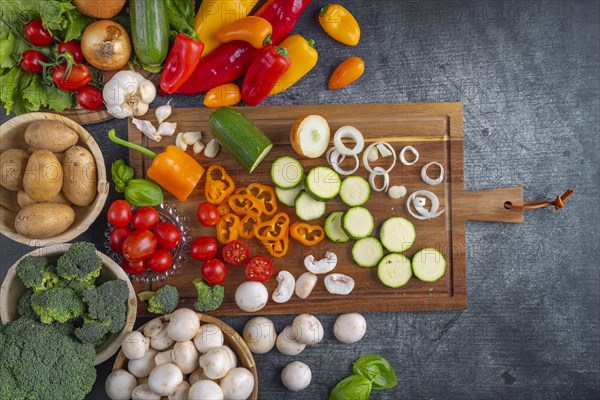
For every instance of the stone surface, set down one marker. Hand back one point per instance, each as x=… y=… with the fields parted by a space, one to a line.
x=528 y=75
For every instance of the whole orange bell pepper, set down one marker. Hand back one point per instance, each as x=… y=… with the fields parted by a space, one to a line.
x=307 y=235
x=340 y=24
x=219 y=185
x=253 y=30
x=228 y=94
x=228 y=228
x=347 y=72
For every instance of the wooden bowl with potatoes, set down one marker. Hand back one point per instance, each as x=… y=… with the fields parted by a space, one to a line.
x=52 y=179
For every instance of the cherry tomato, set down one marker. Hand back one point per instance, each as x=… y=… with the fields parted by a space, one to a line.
x=30 y=61
x=213 y=271
x=133 y=267
x=78 y=77
x=119 y=213
x=144 y=218
x=236 y=253
x=139 y=245
x=73 y=47
x=207 y=214
x=117 y=237
x=160 y=261
x=167 y=235
x=259 y=269
x=37 y=34
x=204 y=248
x=90 y=98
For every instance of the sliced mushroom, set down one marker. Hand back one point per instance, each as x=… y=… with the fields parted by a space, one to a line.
x=323 y=266
x=339 y=284
x=285 y=289
x=305 y=284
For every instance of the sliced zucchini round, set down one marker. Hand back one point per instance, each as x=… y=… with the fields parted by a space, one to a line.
x=333 y=227
x=307 y=208
x=367 y=252
x=323 y=183
x=394 y=270
x=358 y=222
x=286 y=172
x=288 y=196
x=397 y=234
x=355 y=191
x=428 y=265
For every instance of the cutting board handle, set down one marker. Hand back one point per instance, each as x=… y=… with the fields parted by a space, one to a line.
x=488 y=205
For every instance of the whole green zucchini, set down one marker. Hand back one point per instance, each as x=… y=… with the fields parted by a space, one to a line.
x=240 y=137
x=150 y=32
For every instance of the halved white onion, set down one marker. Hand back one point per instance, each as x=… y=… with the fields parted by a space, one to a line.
x=417 y=201
x=366 y=158
x=429 y=180
x=349 y=132
x=386 y=179
x=403 y=157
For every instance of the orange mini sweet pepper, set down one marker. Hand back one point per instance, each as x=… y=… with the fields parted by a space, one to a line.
x=278 y=248
x=347 y=72
x=247 y=225
x=266 y=195
x=228 y=228
x=274 y=229
x=219 y=185
x=228 y=94
x=307 y=235
x=253 y=30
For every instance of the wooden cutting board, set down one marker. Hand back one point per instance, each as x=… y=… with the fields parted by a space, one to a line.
x=434 y=129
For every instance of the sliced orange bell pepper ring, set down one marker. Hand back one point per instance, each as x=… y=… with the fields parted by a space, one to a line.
x=274 y=229
x=219 y=185
x=266 y=195
x=307 y=235
x=247 y=225
x=223 y=208
x=228 y=228
x=278 y=248
x=245 y=204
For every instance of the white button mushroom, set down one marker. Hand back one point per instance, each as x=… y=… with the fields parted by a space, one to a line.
x=143 y=392
x=259 y=334
x=238 y=384
x=232 y=357
x=286 y=342
x=162 y=341
x=181 y=392
x=285 y=289
x=198 y=375
x=216 y=363
x=184 y=325
x=205 y=390
x=209 y=336
x=185 y=356
x=339 y=284
x=323 y=266
x=164 y=379
x=135 y=345
x=163 y=357
x=251 y=296
x=119 y=385
x=307 y=329
x=305 y=284
x=350 y=328
x=142 y=367
x=153 y=328
x=296 y=376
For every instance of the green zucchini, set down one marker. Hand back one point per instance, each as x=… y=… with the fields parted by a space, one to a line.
x=397 y=234
x=322 y=183
x=149 y=32
x=367 y=252
x=333 y=227
x=286 y=172
x=307 y=208
x=355 y=191
x=239 y=136
x=394 y=270
x=358 y=222
x=429 y=265
x=288 y=196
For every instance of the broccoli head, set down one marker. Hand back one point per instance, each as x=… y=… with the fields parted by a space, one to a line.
x=107 y=304
x=39 y=363
x=92 y=331
x=36 y=273
x=24 y=306
x=80 y=262
x=209 y=298
x=57 y=304
x=77 y=286
x=163 y=301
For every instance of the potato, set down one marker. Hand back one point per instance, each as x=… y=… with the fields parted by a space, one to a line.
x=50 y=135
x=80 y=178
x=13 y=163
x=24 y=200
x=44 y=220
x=43 y=177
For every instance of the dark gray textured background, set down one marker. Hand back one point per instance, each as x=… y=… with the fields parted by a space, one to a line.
x=528 y=74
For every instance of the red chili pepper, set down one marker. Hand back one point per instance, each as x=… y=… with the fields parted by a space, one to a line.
x=230 y=61
x=181 y=62
x=263 y=73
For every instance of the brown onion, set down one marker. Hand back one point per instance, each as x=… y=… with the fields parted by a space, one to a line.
x=106 y=45
x=101 y=9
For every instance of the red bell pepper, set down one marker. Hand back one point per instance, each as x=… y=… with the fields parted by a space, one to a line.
x=230 y=61
x=181 y=62
x=263 y=73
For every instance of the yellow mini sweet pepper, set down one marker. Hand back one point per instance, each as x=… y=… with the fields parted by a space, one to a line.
x=303 y=57
x=340 y=24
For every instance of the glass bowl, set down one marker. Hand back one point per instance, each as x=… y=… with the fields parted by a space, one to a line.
x=166 y=213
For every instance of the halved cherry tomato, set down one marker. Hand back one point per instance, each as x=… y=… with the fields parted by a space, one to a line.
x=78 y=77
x=73 y=47
x=119 y=213
x=259 y=269
x=90 y=98
x=139 y=245
x=213 y=271
x=117 y=237
x=236 y=253
x=167 y=235
x=36 y=33
x=133 y=267
x=160 y=261
x=204 y=248
x=30 y=61
x=207 y=214
x=144 y=218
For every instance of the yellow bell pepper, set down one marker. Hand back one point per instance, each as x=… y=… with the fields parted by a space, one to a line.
x=303 y=57
x=340 y=24
x=214 y=15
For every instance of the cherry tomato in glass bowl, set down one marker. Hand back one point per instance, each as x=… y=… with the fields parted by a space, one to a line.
x=119 y=213
x=259 y=269
x=73 y=47
x=236 y=253
x=160 y=261
x=204 y=248
x=30 y=61
x=133 y=267
x=144 y=218
x=207 y=214
x=78 y=78
x=139 y=245
x=90 y=98
x=117 y=238
x=167 y=235
x=36 y=33
x=213 y=271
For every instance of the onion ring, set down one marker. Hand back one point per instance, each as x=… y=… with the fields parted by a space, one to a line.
x=429 y=180
x=420 y=211
x=366 y=159
x=348 y=132
x=386 y=179
x=414 y=153
x=335 y=159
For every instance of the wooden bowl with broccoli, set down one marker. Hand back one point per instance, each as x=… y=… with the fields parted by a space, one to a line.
x=74 y=287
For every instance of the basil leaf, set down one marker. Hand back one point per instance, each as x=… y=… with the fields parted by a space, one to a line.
x=377 y=370
x=121 y=175
x=142 y=192
x=354 y=387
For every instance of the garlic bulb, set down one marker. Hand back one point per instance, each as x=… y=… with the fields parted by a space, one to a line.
x=128 y=94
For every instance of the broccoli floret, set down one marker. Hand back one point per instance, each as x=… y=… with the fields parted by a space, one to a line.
x=163 y=301
x=209 y=298
x=39 y=363
x=36 y=273
x=92 y=331
x=24 y=306
x=66 y=328
x=107 y=304
x=80 y=262
x=77 y=286
x=57 y=304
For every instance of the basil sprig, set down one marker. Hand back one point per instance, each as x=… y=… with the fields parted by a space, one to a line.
x=370 y=372
x=138 y=192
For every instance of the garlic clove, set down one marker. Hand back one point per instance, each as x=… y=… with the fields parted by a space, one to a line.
x=180 y=143
x=118 y=111
x=140 y=109
x=373 y=155
x=192 y=137
x=147 y=129
x=147 y=91
x=198 y=147
x=212 y=148
x=167 y=129
x=163 y=112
